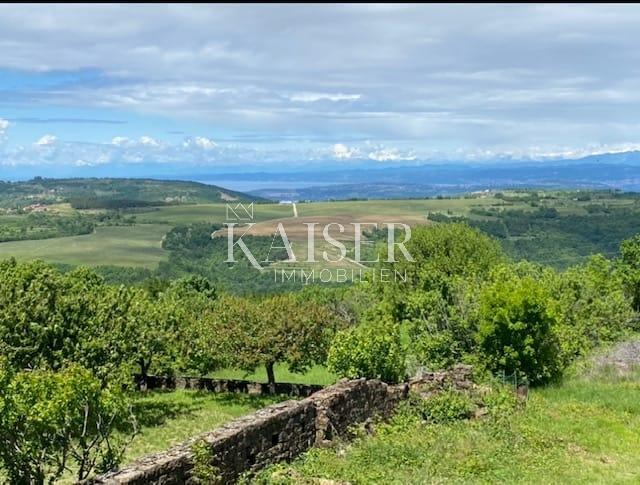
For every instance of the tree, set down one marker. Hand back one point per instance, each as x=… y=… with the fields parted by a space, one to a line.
x=516 y=331
x=43 y=314
x=371 y=350
x=591 y=305
x=630 y=262
x=280 y=328
x=444 y=254
x=52 y=422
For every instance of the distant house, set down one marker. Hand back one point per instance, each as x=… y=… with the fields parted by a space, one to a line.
x=287 y=202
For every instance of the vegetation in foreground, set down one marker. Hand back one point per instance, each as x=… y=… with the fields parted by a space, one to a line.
x=70 y=341
x=584 y=430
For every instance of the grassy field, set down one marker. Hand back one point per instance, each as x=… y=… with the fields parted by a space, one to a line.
x=583 y=431
x=213 y=213
x=167 y=418
x=138 y=245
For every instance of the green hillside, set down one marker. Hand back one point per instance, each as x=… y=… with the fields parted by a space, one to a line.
x=94 y=193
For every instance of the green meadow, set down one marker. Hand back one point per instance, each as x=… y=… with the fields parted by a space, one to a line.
x=138 y=245
x=583 y=431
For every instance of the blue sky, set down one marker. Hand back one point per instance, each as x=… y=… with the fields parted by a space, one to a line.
x=232 y=86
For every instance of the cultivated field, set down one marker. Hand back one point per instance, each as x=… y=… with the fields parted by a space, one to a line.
x=138 y=245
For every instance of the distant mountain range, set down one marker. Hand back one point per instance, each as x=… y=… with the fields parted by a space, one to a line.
x=431 y=180
x=359 y=180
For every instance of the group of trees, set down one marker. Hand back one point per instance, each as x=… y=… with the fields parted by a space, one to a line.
x=464 y=301
x=547 y=236
x=69 y=341
x=70 y=344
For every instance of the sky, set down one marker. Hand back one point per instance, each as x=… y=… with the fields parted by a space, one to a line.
x=234 y=86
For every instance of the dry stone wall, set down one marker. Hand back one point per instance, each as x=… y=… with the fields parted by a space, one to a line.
x=279 y=432
x=224 y=385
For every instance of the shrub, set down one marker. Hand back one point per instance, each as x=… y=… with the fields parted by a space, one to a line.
x=371 y=350
x=50 y=420
x=443 y=407
x=516 y=328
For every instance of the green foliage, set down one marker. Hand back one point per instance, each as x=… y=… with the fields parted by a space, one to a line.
x=48 y=319
x=445 y=406
x=190 y=285
x=280 y=328
x=44 y=226
x=53 y=422
x=203 y=470
x=91 y=193
x=371 y=350
x=444 y=334
x=630 y=263
x=516 y=327
x=591 y=306
x=195 y=252
x=443 y=255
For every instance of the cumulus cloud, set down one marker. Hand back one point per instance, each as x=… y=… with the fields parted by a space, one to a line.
x=343 y=152
x=46 y=140
x=120 y=141
x=4 y=126
x=390 y=155
x=148 y=141
x=200 y=142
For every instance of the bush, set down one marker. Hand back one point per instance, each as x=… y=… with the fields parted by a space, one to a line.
x=443 y=407
x=516 y=331
x=52 y=422
x=591 y=306
x=371 y=350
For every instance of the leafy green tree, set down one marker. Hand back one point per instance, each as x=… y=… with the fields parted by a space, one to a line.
x=630 y=262
x=591 y=305
x=203 y=328
x=443 y=254
x=516 y=332
x=43 y=313
x=57 y=422
x=442 y=333
x=189 y=285
x=280 y=328
x=371 y=350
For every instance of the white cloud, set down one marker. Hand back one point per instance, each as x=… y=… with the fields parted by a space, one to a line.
x=148 y=141
x=307 y=97
x=343 y=152
x=200 y=142
x=4 y=126
x=390 y=155
x=46 y=140
x=120 y=141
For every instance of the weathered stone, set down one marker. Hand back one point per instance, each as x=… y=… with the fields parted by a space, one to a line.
x=223 y=385
x=274 y=434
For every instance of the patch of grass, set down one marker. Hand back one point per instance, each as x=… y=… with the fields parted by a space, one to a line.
x=318 y=375
x=212 y=213
x=583 y=431
x=139 y=245
x=167 y=418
